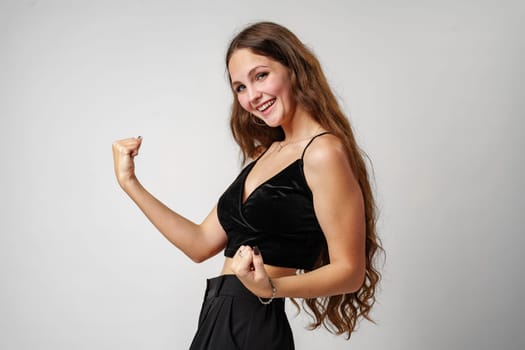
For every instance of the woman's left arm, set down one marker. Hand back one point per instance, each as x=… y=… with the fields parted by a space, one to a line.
x=338 y=203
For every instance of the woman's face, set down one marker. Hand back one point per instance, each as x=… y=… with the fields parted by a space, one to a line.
x=262 y=86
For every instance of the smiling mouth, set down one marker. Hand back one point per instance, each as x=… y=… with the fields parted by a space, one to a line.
x=266 y=105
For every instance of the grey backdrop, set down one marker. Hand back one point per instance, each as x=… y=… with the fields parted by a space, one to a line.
x=434 y=90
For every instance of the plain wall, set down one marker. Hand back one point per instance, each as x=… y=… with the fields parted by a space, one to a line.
x=434 y=90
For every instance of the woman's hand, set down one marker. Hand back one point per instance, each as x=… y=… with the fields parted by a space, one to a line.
x=248 y=265
x=124 y=151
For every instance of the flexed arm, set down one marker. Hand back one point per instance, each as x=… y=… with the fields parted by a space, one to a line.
x=198 y=241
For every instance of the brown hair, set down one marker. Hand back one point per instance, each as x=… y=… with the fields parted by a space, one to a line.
x=340 y=313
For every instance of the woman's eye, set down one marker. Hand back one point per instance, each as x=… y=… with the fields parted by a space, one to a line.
x=240 y=88
x=260 y=76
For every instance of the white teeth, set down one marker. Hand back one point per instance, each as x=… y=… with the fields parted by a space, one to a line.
x=265 y=106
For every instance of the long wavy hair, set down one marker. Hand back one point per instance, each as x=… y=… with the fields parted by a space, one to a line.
x=338 y=314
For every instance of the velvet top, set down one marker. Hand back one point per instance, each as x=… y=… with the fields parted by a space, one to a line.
x=278 y=217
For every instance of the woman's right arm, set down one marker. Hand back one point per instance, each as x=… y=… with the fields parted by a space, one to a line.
x=198 y=242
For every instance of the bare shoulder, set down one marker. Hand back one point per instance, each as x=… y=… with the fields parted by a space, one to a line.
x=325 y=150
x=326 y=163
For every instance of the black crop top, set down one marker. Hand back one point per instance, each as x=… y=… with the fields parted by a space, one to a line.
x=278 y=217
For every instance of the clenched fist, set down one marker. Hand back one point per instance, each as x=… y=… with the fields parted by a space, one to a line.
x=124 y=151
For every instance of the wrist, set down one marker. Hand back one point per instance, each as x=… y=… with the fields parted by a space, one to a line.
x=273 y=292
x=127 y=183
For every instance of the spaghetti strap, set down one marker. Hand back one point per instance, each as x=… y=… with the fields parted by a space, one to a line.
x=311 y=140
x=262 y=154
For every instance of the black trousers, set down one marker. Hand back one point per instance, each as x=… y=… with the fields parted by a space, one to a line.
x=232 y=318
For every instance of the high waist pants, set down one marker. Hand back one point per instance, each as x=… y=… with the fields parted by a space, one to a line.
x=232 y=318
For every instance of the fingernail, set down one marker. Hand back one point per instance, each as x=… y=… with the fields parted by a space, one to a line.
x=256 y=250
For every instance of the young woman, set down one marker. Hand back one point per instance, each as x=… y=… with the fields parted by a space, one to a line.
x=298 y=221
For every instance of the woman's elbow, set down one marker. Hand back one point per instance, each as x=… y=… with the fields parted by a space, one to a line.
x=355 y=278
x=198 y=258
x=203 y=255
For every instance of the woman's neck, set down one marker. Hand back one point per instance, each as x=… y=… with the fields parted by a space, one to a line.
x=301 y=126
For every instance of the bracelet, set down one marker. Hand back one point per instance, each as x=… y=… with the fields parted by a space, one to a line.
x=266 y=302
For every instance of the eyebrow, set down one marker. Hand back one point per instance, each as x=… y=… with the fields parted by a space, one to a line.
x=250 y=72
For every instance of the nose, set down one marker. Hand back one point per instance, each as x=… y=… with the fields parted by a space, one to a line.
x=254 y=95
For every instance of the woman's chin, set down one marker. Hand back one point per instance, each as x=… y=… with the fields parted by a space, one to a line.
x=272 y=122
